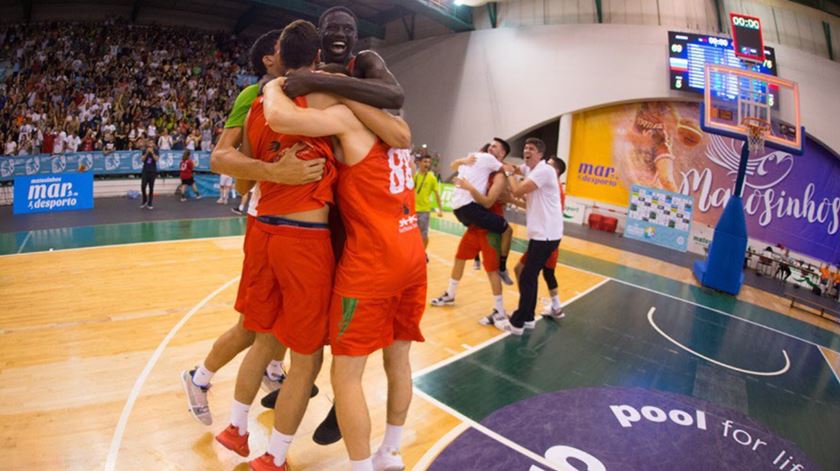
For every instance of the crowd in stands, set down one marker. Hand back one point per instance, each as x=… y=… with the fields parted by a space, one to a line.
x=106 y=86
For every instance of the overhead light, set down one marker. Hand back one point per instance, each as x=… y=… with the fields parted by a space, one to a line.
x=458 y=2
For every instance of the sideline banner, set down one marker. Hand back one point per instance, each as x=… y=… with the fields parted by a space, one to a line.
x=116 y=163
x=659 y=217
x=789 y=200
x=446 y=190
x=52 y=193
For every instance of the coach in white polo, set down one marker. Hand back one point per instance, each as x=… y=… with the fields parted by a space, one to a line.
x=544 y=222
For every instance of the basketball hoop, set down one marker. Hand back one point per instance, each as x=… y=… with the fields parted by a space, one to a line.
x=757 y=129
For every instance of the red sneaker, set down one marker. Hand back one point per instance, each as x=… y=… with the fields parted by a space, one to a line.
x=230 y=439
x=266 y=463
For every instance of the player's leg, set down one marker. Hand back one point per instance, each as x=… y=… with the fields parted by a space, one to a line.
x=235 y=436
x=507 y=237
x=555 y=309
x=538 y=254
x=291 y=405
x=468 y=247
x=351 y=406
x=398 y=371
x=448 y=296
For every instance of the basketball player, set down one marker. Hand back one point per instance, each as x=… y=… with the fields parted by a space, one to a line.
x=379 y=296
x=367 y=80
x=304 y=335
x=544 y=221
x=555 y=309
x=477 y=240
x=265 y=60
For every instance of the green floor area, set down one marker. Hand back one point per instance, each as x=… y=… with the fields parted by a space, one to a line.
x=684 y=291
x=606 y=340
x=116 y=234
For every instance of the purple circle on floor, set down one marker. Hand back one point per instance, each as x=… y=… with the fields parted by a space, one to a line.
x=596 y=429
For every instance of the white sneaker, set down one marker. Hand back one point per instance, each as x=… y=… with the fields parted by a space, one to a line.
x=505 y=278
x=143 y=205
x=443 y=300
x=553 y=313
x=220 y=201
x=387 y=459
x=529 y=325
x=196 y=398
x=506 y=326
x=269 y=385
x=493 y=317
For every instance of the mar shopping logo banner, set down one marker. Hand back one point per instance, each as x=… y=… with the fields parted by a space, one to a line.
x=789 y=200
x=51 y=193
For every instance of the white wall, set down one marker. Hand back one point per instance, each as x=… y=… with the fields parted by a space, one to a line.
x=462 y=89
x=784 y=22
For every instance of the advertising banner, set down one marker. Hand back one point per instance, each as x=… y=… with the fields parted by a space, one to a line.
x=51 y=193
x=116 y=163
x=446 y=191
x=789 y=200
x=659 y=217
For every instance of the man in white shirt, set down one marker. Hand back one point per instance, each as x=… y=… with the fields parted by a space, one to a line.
x=60 y=143
x=73 y=142
x=544 y=223
x=476 y=170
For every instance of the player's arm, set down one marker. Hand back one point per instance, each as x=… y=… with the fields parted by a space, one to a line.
x=519 y=189
x=378 y=87
x=469 y=160
x=437 y=199
x=492 y=195
x=393 y=130
x=228 y=159
x=285 y=117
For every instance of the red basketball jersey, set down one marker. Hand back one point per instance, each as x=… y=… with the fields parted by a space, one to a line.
x=266 y=145
x=383 y=254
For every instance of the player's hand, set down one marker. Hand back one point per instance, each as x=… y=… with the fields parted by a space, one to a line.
x=461 y=183
x=299 y=83
x=290 y=170
x=509 y=168
x=439 y=213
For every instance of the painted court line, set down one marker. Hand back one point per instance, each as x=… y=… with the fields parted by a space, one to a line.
x=25 y=240
x=693 y=303
x=116 y=441
x=500 y=336
x=710 y=360
x=491 y=434
x=426 y=460
x=830 y=366
x=94 y=247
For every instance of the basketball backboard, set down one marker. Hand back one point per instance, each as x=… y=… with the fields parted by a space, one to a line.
x=733 y=97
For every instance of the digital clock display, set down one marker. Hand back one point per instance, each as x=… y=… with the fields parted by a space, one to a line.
x=689 y=53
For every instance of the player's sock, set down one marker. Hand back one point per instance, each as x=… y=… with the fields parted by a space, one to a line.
x=555 y=302
x=202 y=376
x=362 y=465
x=393 y=436
x=503 y=263
x=453 y=287
x=239 y=416
x=279 y=445
x=498 y=303
x=275 y=370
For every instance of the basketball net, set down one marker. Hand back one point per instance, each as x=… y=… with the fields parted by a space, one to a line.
x=757 y=131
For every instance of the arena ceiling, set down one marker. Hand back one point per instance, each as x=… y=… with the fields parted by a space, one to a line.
x=241 y=15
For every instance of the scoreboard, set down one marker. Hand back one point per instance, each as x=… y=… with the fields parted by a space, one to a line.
x=689 y=53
